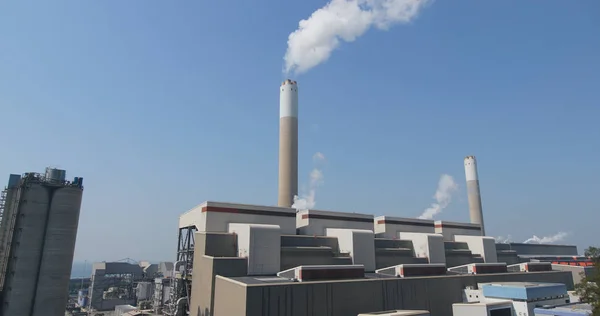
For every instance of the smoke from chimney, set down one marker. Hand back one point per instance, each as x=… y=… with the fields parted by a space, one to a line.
x=342 y=20
x=307 y=201
x=547 y=239
x=443 y=197
x=502 y=239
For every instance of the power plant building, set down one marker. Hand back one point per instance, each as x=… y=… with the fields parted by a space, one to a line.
x=283 y=261
x=38 y=229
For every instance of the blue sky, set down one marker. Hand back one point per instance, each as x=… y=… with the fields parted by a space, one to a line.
x=161 y=105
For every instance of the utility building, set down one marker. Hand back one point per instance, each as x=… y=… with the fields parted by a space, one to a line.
x=40 y=216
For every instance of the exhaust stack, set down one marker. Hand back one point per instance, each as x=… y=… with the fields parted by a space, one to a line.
x=288 y=143
x=473 y=193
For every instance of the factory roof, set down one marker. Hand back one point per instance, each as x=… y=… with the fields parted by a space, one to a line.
x=191 y=217
x=403 y=221
x=336 y=215
x=271 y=279
x=447 y=224
x=523 y=290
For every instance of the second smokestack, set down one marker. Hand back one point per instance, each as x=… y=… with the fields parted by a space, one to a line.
x=473 y=193
x=288 y=143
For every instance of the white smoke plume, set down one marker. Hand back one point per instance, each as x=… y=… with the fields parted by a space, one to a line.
x=503 y=240
x=443 y=197
x=343 y=20
x=547 y=239
x=307 y=201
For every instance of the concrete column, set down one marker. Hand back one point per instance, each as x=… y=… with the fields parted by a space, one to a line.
x=288 y=143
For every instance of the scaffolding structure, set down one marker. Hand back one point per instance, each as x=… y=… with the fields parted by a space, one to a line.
x=181 y=286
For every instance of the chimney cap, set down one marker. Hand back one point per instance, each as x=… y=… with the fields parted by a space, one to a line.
x=288 y=81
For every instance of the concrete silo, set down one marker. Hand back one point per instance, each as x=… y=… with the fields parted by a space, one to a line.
x=39 y=244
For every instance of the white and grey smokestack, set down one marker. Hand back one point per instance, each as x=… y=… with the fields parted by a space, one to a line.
x=473 y=192
x=288 y=143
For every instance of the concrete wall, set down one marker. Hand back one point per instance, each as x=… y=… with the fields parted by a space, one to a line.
x=451 y=229
x=214 y=254
x=261 y=245
x=230 y=298
x=480 y=245
x=544 y=249
x=216 y=216
x=349 y=298
x=360 y=244
x=313 y=222
x=430 y=246
x=578 y=272
x=389 y=227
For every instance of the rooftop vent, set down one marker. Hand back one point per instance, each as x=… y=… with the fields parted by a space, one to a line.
x=530 y=267
x=414 y=270
x=324 y=272
x=480 y=268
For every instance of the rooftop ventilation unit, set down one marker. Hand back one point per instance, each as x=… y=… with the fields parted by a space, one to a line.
x=480 y=268
x=414 y=270
x=530 y=267
x=324 y=272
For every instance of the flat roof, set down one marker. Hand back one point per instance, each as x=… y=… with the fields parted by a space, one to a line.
x=446 y=224
x=273 y=279
x=523 y=290
x=241 y=206
x=404 y=221
x=337 y=214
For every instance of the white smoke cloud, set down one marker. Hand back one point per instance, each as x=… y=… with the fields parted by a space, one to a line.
x=343 y=20
x=443 y=197
x=307 y=201
x=547 y=239
x=503 y=240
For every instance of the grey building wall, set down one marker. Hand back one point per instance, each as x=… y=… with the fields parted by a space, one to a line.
x=544 y=249
x=577 y=272
x=214 y=254
x=349 y=298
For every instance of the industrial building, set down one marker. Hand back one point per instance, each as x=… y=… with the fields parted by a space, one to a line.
x=38 y=229
x=127 y=283
x=274 y=260
x=510 y=298
x=240 y=259
x=286 y=261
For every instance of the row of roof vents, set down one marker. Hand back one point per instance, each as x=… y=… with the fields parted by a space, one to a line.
x=357 y=271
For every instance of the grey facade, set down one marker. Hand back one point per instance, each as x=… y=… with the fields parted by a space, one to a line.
x=38 y=233
x=113 y=284
x=352 y=297
x=221 y=277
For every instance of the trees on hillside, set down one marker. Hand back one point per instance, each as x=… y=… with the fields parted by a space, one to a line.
x=589 y=290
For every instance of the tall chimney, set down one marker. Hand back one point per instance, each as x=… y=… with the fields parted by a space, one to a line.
x=288 y=143
x=473 y=192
